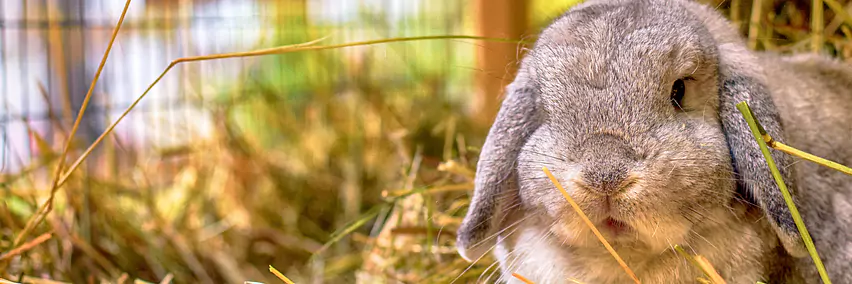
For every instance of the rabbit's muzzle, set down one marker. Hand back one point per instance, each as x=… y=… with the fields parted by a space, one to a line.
x=606 y=166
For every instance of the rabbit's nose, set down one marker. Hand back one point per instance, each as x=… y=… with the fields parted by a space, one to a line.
x=607 y=163
x=606 y=178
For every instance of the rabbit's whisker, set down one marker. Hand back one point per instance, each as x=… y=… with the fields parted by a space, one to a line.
x=510 y=226
x=546 y=155
x=490 y=274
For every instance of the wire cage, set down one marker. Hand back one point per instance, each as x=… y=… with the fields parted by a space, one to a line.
x=51 y=51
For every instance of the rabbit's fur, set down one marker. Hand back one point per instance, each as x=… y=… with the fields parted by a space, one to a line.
x=592 y=102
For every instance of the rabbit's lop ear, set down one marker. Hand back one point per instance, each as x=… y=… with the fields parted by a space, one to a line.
x=742 y=80
x=495 y=185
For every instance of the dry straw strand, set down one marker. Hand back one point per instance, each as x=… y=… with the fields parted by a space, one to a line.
x=280 y=275
x=269 y=51
x=591 y=226
x=705 y=264
x=805 y=155
x=27 y=246
x=123 y=278
x=838 y=9
x=168 y=279
x=702 y=264
x=754 y=24
x=48 y=205
x=523 y=279
x=817 y=25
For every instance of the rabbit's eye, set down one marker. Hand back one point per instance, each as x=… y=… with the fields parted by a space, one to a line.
x=678 y=91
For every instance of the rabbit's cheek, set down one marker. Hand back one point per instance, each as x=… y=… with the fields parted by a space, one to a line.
x=652 y=212
x=660 y=232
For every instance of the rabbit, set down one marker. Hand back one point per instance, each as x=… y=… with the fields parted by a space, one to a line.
x=631 y=105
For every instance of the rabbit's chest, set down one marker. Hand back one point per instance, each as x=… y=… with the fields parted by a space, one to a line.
x=540 y=257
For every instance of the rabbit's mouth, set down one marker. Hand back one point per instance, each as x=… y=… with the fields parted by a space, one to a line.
x=615 y=227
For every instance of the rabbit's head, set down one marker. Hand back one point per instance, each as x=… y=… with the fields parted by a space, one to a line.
x=631 y=104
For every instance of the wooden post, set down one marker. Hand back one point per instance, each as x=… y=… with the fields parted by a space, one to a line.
x=496 y=61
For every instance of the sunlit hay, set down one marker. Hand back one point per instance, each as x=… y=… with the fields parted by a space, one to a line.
x=705 y=264
x=45 y=209
x=591 y=225
x=26 y=246
x=169 y=277
x=306 y=46
x=242 y=163
x=121 y=279
x=702 y=264
x=416 y=242
x=456 y=168
x=31 y=280
x=280 y=275
x=523 y=279
x=431 y=190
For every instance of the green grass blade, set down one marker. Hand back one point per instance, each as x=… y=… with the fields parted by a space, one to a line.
x=352 y=226
x=810 y=157
x=756 y=130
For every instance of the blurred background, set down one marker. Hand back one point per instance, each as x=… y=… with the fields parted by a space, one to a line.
x=336 y=166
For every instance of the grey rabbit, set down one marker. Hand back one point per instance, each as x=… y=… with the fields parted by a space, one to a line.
x=631 y=104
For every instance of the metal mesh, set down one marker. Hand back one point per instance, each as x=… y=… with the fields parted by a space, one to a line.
x=51 y=49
